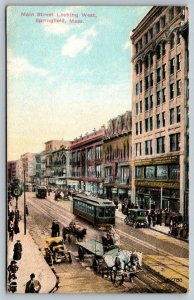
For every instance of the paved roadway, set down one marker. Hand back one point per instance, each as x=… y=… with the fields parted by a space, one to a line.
x=73 y=277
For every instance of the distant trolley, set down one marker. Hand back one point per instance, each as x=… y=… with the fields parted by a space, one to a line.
x=99 y=212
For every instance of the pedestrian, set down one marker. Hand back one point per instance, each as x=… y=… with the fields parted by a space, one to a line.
x=11 y=231
x=153 y=219
x=149 y=219
x=33 y=285
x=16 y=227
x=12 y=269
x=57 y=229
x=17 y=251
x=53 y=228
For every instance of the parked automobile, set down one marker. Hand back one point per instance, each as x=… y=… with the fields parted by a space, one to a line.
x=56 y=251
x=41 y=192
x=136 y=218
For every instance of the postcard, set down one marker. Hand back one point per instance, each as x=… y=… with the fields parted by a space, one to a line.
x=97 y=149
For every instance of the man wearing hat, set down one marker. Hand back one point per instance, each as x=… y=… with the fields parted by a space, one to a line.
x=33 y=285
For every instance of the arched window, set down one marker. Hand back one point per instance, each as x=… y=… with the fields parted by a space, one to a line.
x=163 y=48
x=178 y=38
x=137 y=68
x=158 y=51
x=146 y=61
x=151 y=58
x=172 y=41
x=140 y=66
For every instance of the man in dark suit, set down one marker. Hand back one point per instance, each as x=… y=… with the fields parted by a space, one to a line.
x=33 y=285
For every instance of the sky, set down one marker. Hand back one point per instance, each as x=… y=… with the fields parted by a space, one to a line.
x=67 y=72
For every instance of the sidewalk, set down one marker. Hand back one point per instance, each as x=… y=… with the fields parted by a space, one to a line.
x=31 y=261
x=162 y=229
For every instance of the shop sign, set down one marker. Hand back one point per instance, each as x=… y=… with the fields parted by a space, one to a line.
x=170 y=185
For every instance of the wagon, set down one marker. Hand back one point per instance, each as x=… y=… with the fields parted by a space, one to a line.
x=113 y=263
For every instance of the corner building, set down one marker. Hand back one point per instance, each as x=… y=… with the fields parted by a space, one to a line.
x=160 y=110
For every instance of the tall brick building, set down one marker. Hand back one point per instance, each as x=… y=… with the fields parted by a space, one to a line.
x=160 y=109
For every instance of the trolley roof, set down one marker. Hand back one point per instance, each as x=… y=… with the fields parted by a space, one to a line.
x=93 y=200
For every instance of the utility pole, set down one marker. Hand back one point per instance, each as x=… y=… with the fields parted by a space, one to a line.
x=24 y=203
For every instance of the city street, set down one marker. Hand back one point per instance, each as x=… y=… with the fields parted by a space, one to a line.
x=156 y=247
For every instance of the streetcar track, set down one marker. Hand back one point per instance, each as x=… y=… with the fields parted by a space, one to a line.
x=142 y=281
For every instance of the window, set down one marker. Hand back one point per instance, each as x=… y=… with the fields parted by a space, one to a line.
x=158 y=52
x=136 y=108
x=146 y=38
x=158 y=74
x=178 y=38
x=171 y=90
x=140 y=44
x=149 y=172
x=98 y=152
x=151 y=123
x=137 y=69
x=178 y=61
x=98 y=171
x=173 y=172
x=162 y=172
x=157 y=26
x=158 y=97
x=164 y=71
x=178 y=114
x=163 y=21
x=140 y=127
x=146 y=61
x=148 y=147
x=137 y=88
x=146 y=125
x=140 y=66
x=163 y=119
x=171 y=13
x=146 y=82
x=140 y=107
x=151 y=33
x=172 y=65
x=171 y=116
x=151 y=101
x=151 y=79
x=163 y=95
x=151 y=58
x=163 y=48
x=136 y=126
x=160 y=144
x=175 y=142
x=158 y=121
x=178 y=87
x=146 y=104
x=137 y=48
x=172 y=41
x=139 y=172
x=140 y=86
x=138 y=149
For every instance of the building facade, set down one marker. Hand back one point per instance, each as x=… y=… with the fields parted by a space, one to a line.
x=11 y=170
x=117 y=157
x=50 y=155
x=27 y=165
x=86 y=162
x=160 y=109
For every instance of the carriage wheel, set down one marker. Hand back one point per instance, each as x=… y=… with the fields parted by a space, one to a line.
x=117 y=279
x=69 y=258
x=95 y=265
x=126 y=221
x=81 y=253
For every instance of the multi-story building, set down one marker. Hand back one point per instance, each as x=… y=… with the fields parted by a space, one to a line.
x=11 y=170
x=51 y=146
x=117 y=155
x=160 y=109
x=27 y=164
x=86 y=162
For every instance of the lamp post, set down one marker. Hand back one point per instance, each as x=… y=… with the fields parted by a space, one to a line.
x=24 y=202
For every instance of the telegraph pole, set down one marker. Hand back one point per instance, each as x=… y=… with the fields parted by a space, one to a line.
x=24 y=203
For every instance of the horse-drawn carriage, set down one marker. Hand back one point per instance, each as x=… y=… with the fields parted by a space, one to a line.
x=55 y=251
x=109 y=261
x=75 y=229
